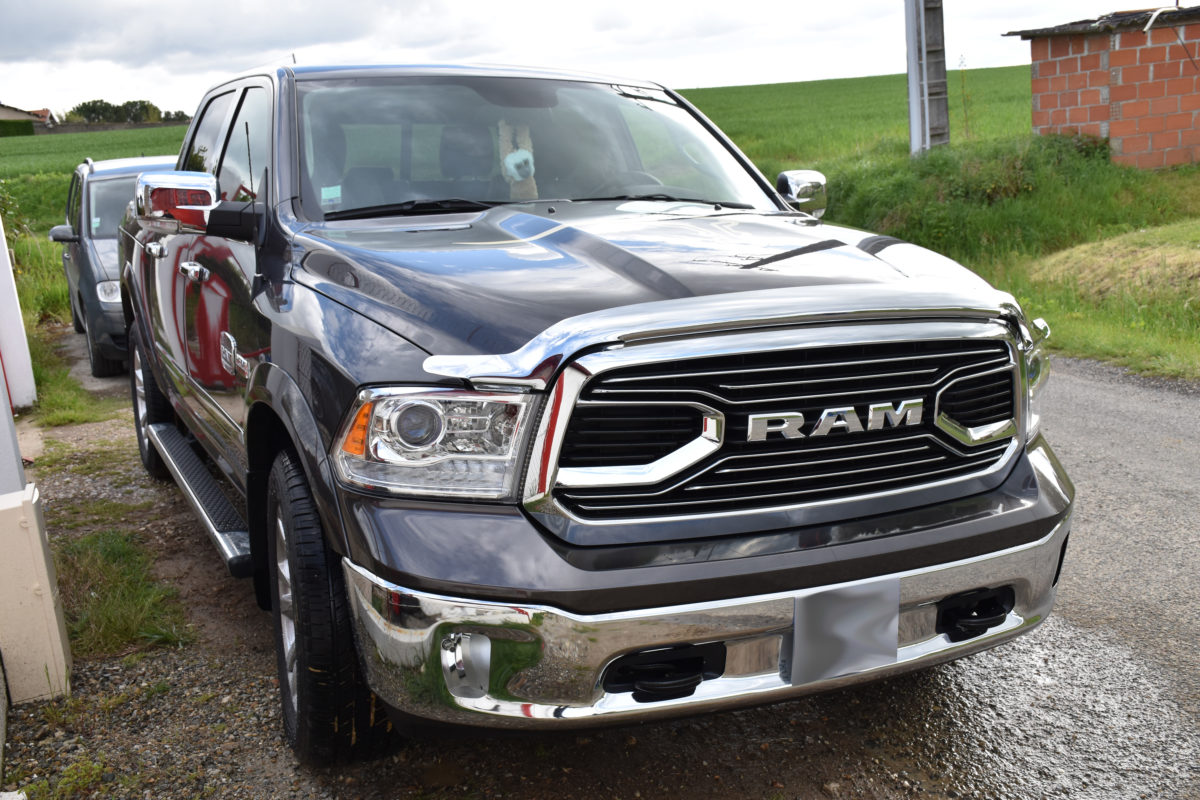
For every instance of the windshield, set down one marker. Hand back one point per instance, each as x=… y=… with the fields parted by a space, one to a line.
x=106 y=205
x=422 y=145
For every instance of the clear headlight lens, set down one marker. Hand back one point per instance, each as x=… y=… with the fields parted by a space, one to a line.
x=444 y=443
x=108 y=291
x=1037 y=372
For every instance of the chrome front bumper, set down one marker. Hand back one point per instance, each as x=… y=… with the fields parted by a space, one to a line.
x=525 y=666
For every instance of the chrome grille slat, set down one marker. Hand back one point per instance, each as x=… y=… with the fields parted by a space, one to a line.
x=809 y=463
x=823 y=476
x=971 y=381
x=714 y=373
x=642 y=508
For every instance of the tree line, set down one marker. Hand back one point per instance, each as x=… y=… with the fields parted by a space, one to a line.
x=131 y=111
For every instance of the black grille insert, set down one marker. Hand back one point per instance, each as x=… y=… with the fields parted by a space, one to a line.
x=971 y=381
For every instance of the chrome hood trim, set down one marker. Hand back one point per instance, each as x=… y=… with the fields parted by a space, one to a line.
x=535 y=364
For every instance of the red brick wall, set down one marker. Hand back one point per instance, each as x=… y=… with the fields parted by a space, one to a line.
x=1142 y=91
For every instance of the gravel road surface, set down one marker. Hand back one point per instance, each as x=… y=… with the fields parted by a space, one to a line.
x=1103 y=701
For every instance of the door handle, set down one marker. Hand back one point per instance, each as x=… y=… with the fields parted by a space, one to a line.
x=193 y=271
x=154 y=249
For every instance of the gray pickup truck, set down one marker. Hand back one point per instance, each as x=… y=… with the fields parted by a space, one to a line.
x=537 y=406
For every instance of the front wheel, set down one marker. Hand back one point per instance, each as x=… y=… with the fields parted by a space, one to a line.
x=329 y=714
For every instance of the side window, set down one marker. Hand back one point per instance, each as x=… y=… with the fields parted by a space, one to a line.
x=205 y=148
x=248 y=150
x=73 y=205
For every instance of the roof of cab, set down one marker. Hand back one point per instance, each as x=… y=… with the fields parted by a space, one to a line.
x=119 y=166
x=470 y=70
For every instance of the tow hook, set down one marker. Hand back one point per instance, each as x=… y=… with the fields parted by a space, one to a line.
x=967 y=615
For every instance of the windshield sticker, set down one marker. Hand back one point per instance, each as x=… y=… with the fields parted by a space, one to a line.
x=331 y=195
x=95 y=223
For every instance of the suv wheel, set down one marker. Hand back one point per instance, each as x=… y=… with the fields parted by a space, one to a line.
x=150 y=406
x=102 y=366
x=328 y=712
x=75 y=320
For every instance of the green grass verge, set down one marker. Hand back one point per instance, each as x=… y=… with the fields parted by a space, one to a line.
x=1132 y=300
x=41 y=284
x=112 y=603
x=61 y=399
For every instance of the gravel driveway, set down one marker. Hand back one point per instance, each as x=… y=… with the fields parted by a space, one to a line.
x=1101 y=702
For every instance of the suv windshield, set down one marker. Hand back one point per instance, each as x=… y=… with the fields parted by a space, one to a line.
x=107 y=199
x=423 y=145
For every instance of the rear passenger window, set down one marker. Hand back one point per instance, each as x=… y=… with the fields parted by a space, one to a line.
x=205 y=148
x=248 y=149
x=73 y=205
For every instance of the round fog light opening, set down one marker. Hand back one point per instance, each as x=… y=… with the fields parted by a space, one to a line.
x=418 y=425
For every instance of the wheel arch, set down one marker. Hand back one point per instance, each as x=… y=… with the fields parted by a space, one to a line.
x=280 y=417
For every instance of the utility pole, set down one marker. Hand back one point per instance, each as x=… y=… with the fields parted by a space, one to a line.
x=928 y=102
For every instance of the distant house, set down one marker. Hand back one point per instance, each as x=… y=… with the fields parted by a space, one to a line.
x=46 y=116
x=1132 y=77
x=8 y=112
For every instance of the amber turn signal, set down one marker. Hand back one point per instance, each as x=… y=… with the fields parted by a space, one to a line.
x=355 y=443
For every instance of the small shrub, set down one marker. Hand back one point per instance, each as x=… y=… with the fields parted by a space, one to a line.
x=16 y=127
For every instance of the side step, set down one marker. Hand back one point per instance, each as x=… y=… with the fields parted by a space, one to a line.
x=222 y=521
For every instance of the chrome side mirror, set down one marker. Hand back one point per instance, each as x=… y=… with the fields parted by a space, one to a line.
x=804 y=190
x=175 y=202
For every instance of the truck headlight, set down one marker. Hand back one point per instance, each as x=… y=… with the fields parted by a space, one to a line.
x=1037 y=371
x=436 y=442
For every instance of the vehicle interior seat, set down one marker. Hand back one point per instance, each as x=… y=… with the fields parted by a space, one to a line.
x=468 y=161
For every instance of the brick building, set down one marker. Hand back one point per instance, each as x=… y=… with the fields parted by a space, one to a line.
x=1113 y=78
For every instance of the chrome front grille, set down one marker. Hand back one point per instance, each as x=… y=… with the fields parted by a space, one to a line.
x=633 y=415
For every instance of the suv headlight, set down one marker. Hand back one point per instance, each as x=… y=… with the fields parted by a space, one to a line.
x=108 y=291
x=436 y=442
x=1037 y=371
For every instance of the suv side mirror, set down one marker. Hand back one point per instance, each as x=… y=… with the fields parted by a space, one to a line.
x=63 y=234
x=804 y=190
x=175 y=202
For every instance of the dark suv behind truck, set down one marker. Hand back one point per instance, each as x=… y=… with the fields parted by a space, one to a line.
x=96 y=200
x=538 y=406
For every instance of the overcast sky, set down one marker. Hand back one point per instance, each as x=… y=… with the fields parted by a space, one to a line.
x=58 y=53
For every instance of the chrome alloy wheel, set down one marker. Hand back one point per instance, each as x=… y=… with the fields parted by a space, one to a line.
x=286 y=604
x=139 y=398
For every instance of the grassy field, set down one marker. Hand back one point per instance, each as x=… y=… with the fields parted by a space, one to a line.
x=37 y=169
x=822 y=124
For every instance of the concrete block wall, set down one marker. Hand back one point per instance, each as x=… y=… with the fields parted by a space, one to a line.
x=1140 y=90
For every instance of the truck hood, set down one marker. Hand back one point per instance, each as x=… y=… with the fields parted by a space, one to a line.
x=488 y=283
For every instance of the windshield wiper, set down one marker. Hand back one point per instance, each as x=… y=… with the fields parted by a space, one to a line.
x=445 y=205
x=670 y=198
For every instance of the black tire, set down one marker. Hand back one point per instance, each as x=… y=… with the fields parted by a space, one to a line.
x=329 y=714
x=102 y=366
x=75 y=320
x=150 y=406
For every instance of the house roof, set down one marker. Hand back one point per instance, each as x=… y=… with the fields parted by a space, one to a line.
x=8 y=112
x=1116 y=21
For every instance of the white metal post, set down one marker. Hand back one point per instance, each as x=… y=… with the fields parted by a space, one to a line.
x=33 y=632
x=918 y=134
x=16 y=365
